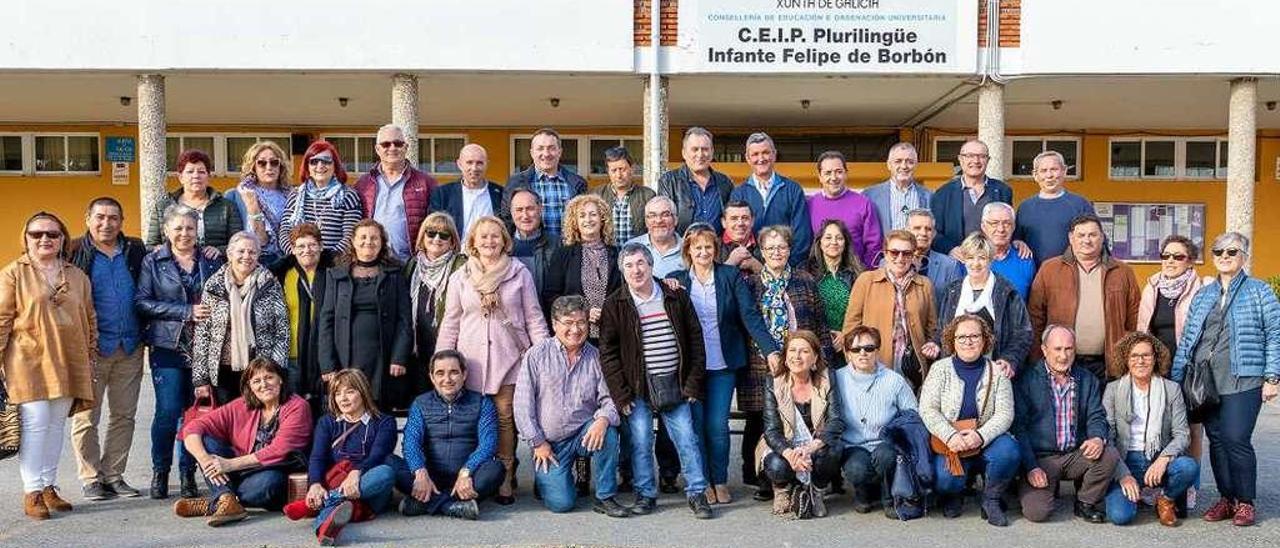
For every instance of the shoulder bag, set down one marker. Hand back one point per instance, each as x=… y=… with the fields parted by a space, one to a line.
x=939 y=445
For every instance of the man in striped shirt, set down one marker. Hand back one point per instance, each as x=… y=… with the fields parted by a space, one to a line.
x=650 y=339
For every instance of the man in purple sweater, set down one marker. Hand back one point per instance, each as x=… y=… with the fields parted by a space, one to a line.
x=836 y=201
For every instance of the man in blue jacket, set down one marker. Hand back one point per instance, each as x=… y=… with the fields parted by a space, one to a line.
x=901 y=193
x=774 y=199
x=1062 y=430
x=957 y=204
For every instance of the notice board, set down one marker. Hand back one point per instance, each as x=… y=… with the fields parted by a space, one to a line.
x=1135 y=230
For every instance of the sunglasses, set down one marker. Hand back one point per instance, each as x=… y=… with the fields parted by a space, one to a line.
x=390 y=144
x=1231 y=252
x=864 y=349
x=38 y=234
x=321 y=160
x=1175 y=256
x=272 y=162
x=896 y=253
x=438 y=234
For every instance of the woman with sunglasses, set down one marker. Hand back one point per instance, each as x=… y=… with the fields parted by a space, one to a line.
x=48 y=351
x=1233 y=327
x=263 y=194
x=729 y=317
x=323 y=199
x=219 y=218
x=435 y=259
x=871 y=395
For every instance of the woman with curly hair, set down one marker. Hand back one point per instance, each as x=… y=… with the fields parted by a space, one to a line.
x=587 y=264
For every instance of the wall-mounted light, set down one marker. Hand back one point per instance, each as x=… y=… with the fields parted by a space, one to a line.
x=125 y=100
x=804 y=104
x=1271 y=105
x=342 y=101
x=1056 y=104
x=555 y=102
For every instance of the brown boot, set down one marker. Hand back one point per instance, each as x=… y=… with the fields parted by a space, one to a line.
x=191 y=507
x=1167 y=512
x=781 y=500
x=33 y=505
x=227 y=510
x=55 y=502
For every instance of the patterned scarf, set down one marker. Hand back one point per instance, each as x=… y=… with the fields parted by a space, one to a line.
x=595 y=277
x=432 y=274
x=900 y=335
x=773 y=302
x=1171 y=288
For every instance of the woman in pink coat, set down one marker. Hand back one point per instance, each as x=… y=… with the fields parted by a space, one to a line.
x=495 y=303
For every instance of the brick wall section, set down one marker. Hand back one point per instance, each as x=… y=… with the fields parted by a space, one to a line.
x=670 y=19
x=1010 y=23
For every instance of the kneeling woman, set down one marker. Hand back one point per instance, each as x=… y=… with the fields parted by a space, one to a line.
x=353 y=466
x=967 y=405
x=248 y=447
x=802 y=423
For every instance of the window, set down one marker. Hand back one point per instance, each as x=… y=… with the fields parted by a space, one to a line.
x=11 y=153
x=807 y=148
x=175 y=145
x=66 y=153
x=439 y=153
x=569 y=146
x=635 y=147
x=947 y=149
x=355 y=152
x=1168 y=158
x=1025 y=149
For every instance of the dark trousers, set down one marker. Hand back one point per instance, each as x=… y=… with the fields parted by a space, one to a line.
x=870 y=471
x=1037 y=503
x=826 y=466
x=752 y=431
x=259 y=488
x=1230 y=431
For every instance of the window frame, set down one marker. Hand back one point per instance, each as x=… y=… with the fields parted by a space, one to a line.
x=584 y=151
x=26 y=149
x=431 y=137
x=350 y=163
x=1179 y=156
x=171 y=170
x=29 y=162
x=1044 y=146
x=620 y=139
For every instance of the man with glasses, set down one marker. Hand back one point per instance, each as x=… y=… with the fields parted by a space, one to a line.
x=1044 y=219
x=901 y=193
x=774 y=199
x=1010 y=261
x=471 y=197
x=698 y=191
x=554 y=183
x=1091 y=292
x=661 y=239
x=957 y=204
x=394 y=193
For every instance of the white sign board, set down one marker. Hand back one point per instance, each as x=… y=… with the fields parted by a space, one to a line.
x=827 y=36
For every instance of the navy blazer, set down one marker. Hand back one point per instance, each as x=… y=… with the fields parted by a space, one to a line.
x=947 y=205
x=448 y=198
x=737 y=315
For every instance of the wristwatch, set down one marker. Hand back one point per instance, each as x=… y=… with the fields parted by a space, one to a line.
x=464 y=473
x=1271 y=378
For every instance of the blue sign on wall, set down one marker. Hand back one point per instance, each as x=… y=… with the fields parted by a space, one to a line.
x=121 y=149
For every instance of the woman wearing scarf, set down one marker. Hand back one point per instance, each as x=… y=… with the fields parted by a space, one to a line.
x=323 y=200
x=263 y=195
x=897 y=302
x=435 y=258
x=247 y=319
x=302 y=276
x=986 y=295
x=587 y=264
x=364 y=321
x=788 y=299
x=495 y=303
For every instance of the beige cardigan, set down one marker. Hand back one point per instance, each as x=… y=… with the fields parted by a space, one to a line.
x=943 y=392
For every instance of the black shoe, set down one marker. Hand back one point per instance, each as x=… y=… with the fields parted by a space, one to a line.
x=890 y=511
x=463 y=509
x=582 y=475
x=611 y=508
x=95 y=490
x=1090 y=512
x=862 y=502
x=952 y=506
x=764 y=493
x=625 y=485
x=668 y=485
x=121 y=488
x=701 y=508
x=413 y=507
x=644 y=505
x=160 y=484
x=187 y=486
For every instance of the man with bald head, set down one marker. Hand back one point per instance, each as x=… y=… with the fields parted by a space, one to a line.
x=472 y=196
x=395 y=193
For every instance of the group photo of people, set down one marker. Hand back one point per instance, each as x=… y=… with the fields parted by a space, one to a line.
x=327 y=349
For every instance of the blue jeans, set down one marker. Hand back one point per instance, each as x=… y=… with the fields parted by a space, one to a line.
x=173 y=395
x=680 y=426
x=999 y=460
x=375 y=490
x=1178 y=477
x=556 y=484
x=260 y=488
x=711 y=421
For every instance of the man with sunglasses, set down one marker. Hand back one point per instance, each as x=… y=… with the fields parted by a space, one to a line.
x=471 y=197
x=395 y=193
x=1092 y=293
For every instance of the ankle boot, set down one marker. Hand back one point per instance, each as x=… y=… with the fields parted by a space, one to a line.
x=159 y=484
x=781 y=500
x=54 y=501
x=991 y=507
x=33 y=506
x=187 y=486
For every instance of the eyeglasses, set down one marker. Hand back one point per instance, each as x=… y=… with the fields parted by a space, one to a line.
x=438 y=234
x=1231 y=252
x=974 y=156
x=898 y=253
x=572 y=323
x=659 y=215
x=995 y=224
x=272 y=162
x=321 y=160
x=1143 y=357
x=391 y=144
x=38 y=234
x=776 y=249
x=1176 y=256
x=970 y=338
x=863 y=349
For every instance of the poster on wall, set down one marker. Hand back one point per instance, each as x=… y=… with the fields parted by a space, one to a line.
x=827 y=36
x=1135 y=230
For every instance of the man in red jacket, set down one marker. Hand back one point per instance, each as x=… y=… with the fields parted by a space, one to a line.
x=394 y=192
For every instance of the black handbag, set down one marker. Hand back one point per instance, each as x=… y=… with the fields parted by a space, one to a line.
x=664 y=391
x=1198 y=388
x=803 y=497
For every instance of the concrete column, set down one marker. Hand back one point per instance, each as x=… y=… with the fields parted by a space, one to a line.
x=404 y=111
x=655 y=142
x=1242 y=131
x=151 y=134
x=991 y=126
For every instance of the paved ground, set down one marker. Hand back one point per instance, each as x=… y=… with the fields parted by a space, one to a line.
x=144 y=522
